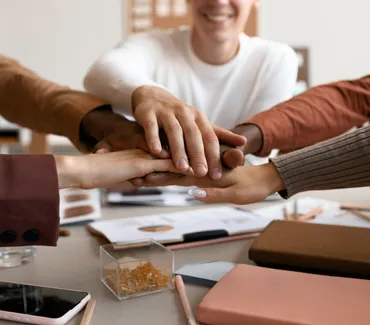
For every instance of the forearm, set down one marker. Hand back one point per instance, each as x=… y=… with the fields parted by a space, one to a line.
x=254 y=137
x=116 y=75
x=316 y=115
x=342 y=162
x=41 y=105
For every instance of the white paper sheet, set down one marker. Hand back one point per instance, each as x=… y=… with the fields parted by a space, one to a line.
x=226 y=218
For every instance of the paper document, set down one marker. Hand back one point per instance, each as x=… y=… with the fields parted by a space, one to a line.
x=171 y=227
x=77 y=205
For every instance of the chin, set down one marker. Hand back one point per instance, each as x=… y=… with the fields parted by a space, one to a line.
x=220 y=36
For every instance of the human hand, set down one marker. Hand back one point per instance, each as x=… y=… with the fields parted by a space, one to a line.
x=190 y=135
x=233 y=157
x=242 y=185
x=107 y=169
x=113 y=132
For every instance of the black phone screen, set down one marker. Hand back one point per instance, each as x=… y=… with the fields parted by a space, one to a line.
x=38 y=301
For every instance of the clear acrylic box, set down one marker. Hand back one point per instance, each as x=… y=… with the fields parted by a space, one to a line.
x=134 y=269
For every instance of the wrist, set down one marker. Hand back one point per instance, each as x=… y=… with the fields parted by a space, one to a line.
x=67 y=171
x=254 y=137
x=138 y=95
x=92 y=127
x=272 y=177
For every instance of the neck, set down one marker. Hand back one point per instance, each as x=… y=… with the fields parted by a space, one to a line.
x=216 y=53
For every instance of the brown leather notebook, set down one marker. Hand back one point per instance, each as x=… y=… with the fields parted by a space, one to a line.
x=252 y=295
x=314 y=248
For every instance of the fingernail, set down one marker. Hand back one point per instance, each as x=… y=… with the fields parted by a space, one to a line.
x=201 y=169
x=197 y=193
x=156 y=146
x=216 y=173
x=182 y=164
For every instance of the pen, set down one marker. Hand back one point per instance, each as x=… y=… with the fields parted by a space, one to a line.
x=359 y=214
x=310 y=215
x=184 y=300
x=175 y=247
x=295 y=209
x=88 y=312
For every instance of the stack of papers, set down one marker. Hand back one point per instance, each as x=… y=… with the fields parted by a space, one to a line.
x=173 y=227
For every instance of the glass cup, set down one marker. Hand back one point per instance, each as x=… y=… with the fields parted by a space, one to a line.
x=16 y=256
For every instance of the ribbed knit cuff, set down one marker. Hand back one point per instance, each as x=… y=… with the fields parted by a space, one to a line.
x=341 y=162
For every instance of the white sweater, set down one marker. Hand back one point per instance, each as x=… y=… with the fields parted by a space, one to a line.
x=261 y=75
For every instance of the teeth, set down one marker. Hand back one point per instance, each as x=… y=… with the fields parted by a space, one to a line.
x=217 y=18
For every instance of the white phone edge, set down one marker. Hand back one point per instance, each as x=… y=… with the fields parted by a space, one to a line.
x=37 y=320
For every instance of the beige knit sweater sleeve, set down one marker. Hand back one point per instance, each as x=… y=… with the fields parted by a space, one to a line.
x=341 y=162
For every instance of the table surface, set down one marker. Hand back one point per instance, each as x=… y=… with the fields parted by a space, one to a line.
x=74 y=264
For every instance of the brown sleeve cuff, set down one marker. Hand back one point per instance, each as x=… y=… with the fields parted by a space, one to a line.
x=29 y=200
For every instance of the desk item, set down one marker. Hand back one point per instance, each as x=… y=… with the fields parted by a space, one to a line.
x=315 y=248
x=77 y=205
x=175 y=247
x=134 y=269
x=86 y=318
x=206 y=273
x=331 y=212
x=40 y=305
x=154 y=196
x=361 y=211
x=64 y=233
x=182 y=226
x=184 y=300
x=295 y=216
x=250 y=294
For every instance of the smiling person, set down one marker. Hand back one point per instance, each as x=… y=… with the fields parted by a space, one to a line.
x=188 y=81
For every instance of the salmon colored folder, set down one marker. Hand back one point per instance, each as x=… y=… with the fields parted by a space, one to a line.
x=314 y=248
x=253 y=295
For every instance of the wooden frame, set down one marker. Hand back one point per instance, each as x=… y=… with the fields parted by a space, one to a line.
x=142 y=15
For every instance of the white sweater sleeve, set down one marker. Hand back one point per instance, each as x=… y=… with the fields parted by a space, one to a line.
x=116 y=74
x=277 y=80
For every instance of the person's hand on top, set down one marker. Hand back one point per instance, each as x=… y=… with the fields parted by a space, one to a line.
x=193 y=141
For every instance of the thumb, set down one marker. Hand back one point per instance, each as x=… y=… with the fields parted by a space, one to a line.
x=228 y=137
x=103 y=147
x=213 y=195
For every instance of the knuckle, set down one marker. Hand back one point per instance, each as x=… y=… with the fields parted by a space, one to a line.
x=210 y=137
x=197 y=156
x=182 y=109
x=192 y=128
x=150 y=124
x=174 y=127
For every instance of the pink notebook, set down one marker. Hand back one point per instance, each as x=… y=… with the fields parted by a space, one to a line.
x=252 y=295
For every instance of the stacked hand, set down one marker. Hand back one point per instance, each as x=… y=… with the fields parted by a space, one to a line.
x=108 y=169
x=193 y=141
x=242 y=185
x=166 y=129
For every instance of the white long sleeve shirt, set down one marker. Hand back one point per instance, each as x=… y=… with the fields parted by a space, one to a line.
x=262 y=74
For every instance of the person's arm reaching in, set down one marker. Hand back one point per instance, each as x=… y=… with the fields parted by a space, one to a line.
x=41 y=105
x=29 y=188
x=316 y=115
x=341 y=162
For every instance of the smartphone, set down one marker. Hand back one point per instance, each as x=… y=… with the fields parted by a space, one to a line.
x=40 y=305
